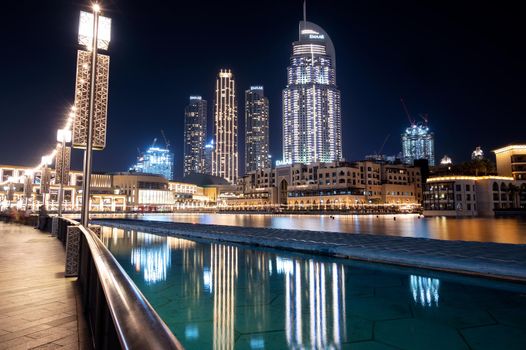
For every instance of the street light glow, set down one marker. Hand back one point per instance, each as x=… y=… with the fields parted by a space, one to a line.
x=85 y=35
x=64 y=135
x=96 y=7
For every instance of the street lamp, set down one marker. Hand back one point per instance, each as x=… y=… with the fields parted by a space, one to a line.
x=45 y=178
x=28 y=186
x=62 y=164
x=91 y=94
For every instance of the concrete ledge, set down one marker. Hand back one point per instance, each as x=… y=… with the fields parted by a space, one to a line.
x=494 y=260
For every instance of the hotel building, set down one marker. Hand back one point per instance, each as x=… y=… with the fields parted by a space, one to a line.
x=225 y=155
x=195 y=119
x=311 y=101
x=256 y=129
x=335 y=186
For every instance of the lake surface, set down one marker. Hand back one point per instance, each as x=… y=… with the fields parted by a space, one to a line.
x=221 y=296
x=502 y=230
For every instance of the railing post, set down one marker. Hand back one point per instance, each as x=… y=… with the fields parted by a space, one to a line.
x=72 y=251
x=54 y=226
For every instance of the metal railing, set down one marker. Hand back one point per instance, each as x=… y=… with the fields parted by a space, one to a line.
x=118 y=315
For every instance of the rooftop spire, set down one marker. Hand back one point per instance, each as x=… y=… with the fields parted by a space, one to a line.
x=304 y=10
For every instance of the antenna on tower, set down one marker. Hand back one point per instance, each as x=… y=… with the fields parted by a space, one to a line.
x=304 y=10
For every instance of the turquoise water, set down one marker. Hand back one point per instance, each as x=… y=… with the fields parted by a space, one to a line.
x=218 y=296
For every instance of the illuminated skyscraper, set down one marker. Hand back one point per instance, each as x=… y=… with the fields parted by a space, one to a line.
x=194 y=136
x=209 y=152
x=256 y=129
x=311 y=101
x=418 y=143
x=225 y=156
x=155 y=160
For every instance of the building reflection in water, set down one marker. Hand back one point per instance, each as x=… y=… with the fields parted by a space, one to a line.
x=425 y=290
x=223 y=271
x=209 y=280
x=322 y=286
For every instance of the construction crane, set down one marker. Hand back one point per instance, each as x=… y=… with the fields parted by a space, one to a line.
x=165 y=139
x=425 y=117
x=411 y=120
x=383 y=144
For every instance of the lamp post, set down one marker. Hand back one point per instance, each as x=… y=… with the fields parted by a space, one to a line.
x=45 y=178
x=28 y=186
x=91 y=94
x=61 y=168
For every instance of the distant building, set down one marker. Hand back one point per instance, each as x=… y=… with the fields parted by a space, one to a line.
x=312 y=130
x=511 y=161
x=195 y=119
x=208 y=154
x=225 y=156
x=472 y=195
x=446 y=160
x=477 y=154
x=418 y=143
x=256 y=129
x=336 y=185
x=157 y=161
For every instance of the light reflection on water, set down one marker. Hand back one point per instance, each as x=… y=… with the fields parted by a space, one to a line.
x=502 y=230
x=223 y=297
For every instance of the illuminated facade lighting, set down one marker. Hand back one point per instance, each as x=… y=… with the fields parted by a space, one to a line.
x=477 y=154
x=311 y=101
x=256 y=129
x=225 y=156
x=446 y=160
x=418 y=143
x=195 y=118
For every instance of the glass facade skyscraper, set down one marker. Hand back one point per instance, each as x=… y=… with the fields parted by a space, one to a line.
x=311 y=101
x=156 y=160
x=256 y=129
x=225 y=156
x=195 y=136
x=418 y=143
x=209 y=152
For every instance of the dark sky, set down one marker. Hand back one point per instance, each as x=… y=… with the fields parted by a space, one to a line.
x=462 y=62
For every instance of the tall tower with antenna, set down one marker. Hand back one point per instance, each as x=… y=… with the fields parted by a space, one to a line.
x=311 y=100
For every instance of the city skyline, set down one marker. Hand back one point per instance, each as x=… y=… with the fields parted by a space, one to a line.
x=370 y=92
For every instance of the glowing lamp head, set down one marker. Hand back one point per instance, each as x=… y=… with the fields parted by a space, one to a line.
x=96 y=7
x=47 y=160
x=64 y=135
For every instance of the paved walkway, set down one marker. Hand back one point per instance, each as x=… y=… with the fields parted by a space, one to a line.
x=504 y=261
x=38 y=306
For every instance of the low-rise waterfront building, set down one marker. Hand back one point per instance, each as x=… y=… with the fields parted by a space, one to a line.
x=472 y=195
x=334 y=186
x=124 y=191
x=511 y=161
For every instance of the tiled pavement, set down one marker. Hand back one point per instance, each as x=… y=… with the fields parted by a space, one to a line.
x=506 y=261
x=38 y=306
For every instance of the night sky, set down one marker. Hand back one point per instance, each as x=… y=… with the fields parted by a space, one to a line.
x=462 y=62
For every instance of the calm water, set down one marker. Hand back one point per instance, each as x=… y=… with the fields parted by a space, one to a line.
x=502 y=230
x=217 y=296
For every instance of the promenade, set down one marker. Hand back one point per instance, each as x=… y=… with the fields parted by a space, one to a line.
x=38 y=306
x=502 y=261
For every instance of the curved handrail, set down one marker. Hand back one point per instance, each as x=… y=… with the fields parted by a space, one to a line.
x=137 y=324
